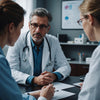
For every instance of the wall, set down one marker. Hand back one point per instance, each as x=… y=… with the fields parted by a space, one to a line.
x=54 y=6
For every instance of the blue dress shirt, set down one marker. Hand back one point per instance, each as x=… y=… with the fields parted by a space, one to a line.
x=99 y=43
x=8 y=87
x=37 y=54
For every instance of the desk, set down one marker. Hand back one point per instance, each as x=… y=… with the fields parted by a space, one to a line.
x=69 y=80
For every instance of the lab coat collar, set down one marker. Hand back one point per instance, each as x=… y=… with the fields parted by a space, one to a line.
x=45 y=56
x=30 y=56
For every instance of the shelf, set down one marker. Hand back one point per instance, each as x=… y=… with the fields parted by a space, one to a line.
x=78 y=62
x=78 y=44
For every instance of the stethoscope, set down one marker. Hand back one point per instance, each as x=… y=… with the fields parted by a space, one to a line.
x=26 y=50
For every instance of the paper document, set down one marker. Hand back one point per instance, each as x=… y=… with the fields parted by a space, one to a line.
x=59 y=85
x=61 y=94
x=58 y=94
x=78 y=84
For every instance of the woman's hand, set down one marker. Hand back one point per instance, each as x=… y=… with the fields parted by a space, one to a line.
x=47 y=91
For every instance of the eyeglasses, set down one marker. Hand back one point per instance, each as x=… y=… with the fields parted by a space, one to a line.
x=80 y=21
x=42 y=26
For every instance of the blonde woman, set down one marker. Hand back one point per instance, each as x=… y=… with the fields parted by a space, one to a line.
x=90 y=19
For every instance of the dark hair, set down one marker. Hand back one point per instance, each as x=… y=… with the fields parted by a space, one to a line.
x=41 y=12
x=10 y=12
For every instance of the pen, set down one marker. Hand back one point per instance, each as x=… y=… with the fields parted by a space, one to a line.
x=56 y=90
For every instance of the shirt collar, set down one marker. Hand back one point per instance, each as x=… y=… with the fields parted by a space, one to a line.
x=1 y=51
x=99 y=42
x=33 y=44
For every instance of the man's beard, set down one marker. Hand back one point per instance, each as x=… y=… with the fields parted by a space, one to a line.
x=37 y=40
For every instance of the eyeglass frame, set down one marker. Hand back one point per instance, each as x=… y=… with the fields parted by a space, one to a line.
x=41 y=26
x=80 y=20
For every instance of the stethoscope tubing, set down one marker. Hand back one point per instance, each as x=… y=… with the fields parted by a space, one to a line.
x=27 y=47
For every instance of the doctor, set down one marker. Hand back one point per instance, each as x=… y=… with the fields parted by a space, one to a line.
x=90 y=19
x=37 y=57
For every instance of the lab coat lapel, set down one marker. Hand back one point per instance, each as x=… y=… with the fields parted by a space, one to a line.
x=30 y=56
x=46 y=54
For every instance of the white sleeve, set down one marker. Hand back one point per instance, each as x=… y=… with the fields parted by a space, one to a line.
x=42 y=98
x=91 y=86
x=61 y=64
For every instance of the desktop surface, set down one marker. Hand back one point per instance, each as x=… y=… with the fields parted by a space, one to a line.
x=69 y=80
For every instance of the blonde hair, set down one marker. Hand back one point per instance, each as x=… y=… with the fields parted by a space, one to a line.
x=91 y=7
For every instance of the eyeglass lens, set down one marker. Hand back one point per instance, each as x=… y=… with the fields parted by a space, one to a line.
x=35 y=25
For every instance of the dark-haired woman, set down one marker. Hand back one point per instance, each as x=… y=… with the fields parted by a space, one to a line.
x=11 y=22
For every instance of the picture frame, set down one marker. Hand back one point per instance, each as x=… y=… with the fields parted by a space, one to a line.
x=70 y=14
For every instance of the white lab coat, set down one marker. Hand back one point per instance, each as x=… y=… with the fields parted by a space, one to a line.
x=91 y=86
x=21 y=70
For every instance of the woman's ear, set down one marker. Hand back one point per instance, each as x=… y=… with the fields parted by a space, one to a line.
x=11 y=28
x=91 y=19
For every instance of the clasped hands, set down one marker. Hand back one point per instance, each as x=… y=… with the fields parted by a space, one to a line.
x=45 y=78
